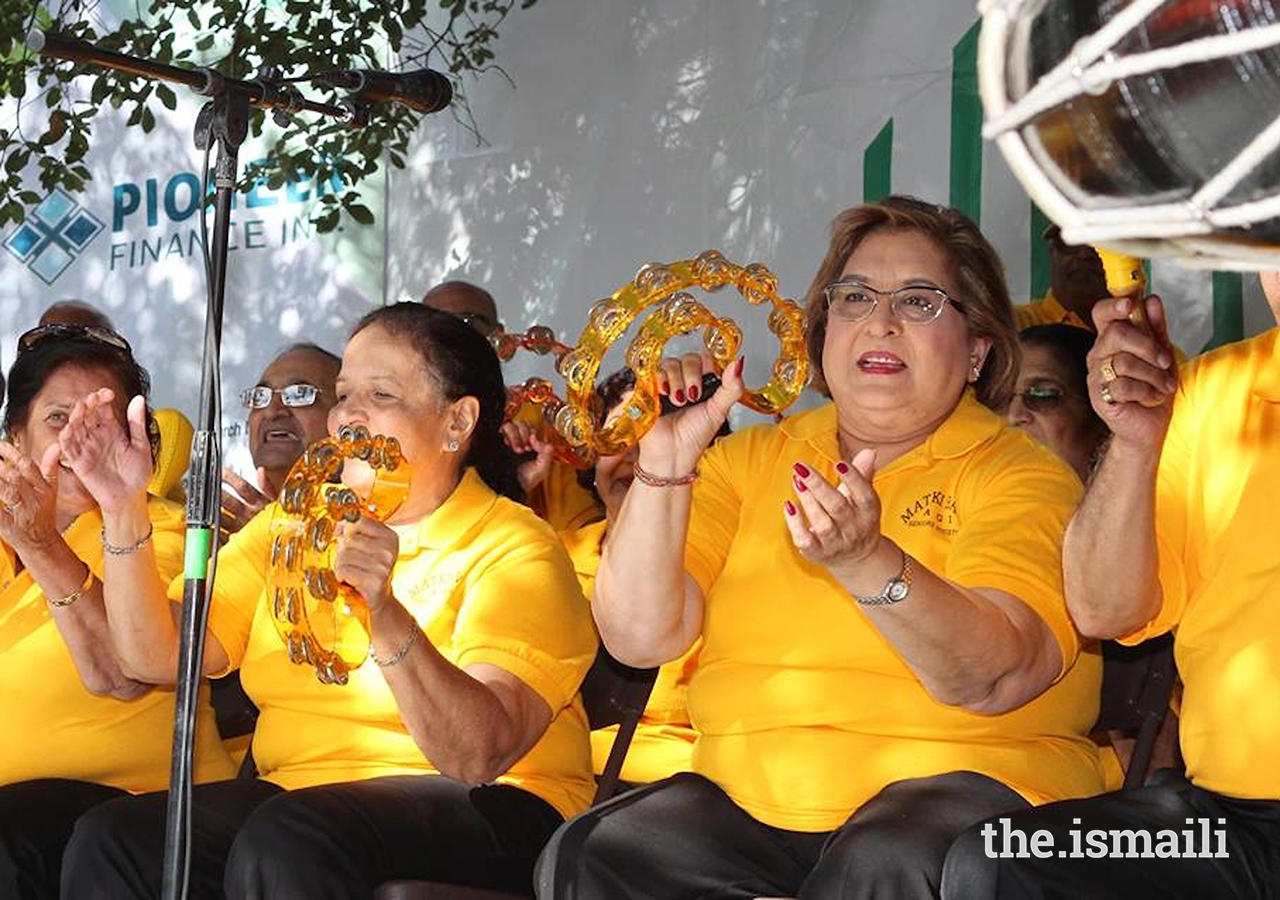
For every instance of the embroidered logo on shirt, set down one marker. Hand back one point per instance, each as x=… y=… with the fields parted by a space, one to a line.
x=936 y=509
x=425 y=592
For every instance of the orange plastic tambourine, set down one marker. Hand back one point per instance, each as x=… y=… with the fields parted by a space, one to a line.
x=324 y=623
x=659 y=289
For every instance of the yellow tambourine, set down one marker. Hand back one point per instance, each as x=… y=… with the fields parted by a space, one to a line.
x=675 y=312
x=324 y=623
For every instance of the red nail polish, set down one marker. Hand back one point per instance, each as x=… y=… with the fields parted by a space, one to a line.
x=801 y=469
x=789 y=507
x=801 y=487
x=694 y=393
x=680 y=396
x=842 y=467
x=742 y=360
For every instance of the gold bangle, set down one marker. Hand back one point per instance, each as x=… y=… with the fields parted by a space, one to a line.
x=399 y=654
x=63 y=602
x=658 y=481
x=130 y=548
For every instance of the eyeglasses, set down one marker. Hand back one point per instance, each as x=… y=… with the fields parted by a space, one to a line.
x=290 y=395
x=1042 y=397
x=104 y=336
x=914 y=304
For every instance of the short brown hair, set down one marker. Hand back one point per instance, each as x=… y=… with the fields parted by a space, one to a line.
x=977 y=268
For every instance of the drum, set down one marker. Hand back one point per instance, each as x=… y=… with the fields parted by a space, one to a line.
x=1148 y=126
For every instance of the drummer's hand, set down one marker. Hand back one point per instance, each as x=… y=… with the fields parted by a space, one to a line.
x=1132 y=373
x=674 y=444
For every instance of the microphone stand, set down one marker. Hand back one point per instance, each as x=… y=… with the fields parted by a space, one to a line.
x=224 y=120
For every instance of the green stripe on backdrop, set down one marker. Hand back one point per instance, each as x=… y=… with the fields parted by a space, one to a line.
x=1039 y=253
x=877 y=166
x=1228 y=309
x=966 y=127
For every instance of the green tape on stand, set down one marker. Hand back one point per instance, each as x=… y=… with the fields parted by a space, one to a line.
x=195 y=563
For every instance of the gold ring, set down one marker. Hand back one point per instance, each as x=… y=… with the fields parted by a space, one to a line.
x=1105 y=393
x=1108 y=371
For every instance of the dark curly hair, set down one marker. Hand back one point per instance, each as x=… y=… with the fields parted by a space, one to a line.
x=463 y=364
x=74 y=346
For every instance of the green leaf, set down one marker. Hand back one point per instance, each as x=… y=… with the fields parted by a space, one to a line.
x=167 y=96
x=326 y=222
x=361 y=213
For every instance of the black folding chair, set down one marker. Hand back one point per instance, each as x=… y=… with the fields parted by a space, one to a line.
x=1136 y=685
x=613 y=694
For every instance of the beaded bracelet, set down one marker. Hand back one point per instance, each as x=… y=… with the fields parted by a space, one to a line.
x=658 y=481
x=63 y=602
x=399 y=654
x=130 y=548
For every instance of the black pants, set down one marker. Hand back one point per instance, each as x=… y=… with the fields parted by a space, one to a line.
x=253 y=840
x=684 y=838
x=1250 y=870
x=36 y=818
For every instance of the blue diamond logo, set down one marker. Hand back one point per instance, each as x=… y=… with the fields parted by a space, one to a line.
x=55 y=233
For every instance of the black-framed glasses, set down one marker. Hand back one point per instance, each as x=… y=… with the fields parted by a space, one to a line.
x=915 y=304
x=57 y=331
x=259 y=397
x=1043 y=397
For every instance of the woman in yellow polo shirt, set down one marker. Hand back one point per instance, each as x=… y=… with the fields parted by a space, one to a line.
x=78 y=729
x=459 y=746
x=886 y=652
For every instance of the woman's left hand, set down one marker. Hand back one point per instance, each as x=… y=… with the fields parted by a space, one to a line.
x=29 y=494
x=365 y=555
x=836 y=526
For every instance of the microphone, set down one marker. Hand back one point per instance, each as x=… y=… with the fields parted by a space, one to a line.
x=422 y=90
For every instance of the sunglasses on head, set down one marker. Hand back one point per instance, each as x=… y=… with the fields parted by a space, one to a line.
x=290 y=395
x=97 y=335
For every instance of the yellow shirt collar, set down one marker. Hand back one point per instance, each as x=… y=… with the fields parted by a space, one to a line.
x=969 y=424
x=470 y=501
x=1060 y=313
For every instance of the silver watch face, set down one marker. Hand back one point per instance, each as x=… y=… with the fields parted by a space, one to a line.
x=897 y=590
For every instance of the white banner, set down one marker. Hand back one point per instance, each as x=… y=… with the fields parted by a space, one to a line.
x=634 y=132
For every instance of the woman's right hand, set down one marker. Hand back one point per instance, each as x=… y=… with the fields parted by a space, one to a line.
x=1133 y=374
x=673 y=446
x=112 y=464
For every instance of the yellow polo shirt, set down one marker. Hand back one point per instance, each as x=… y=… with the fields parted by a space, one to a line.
x=53 y=726
x=487 y=582
x=1046 y=311
x=1217 y=494
x=664 y=738
x=563 y=502
x=804 y=710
